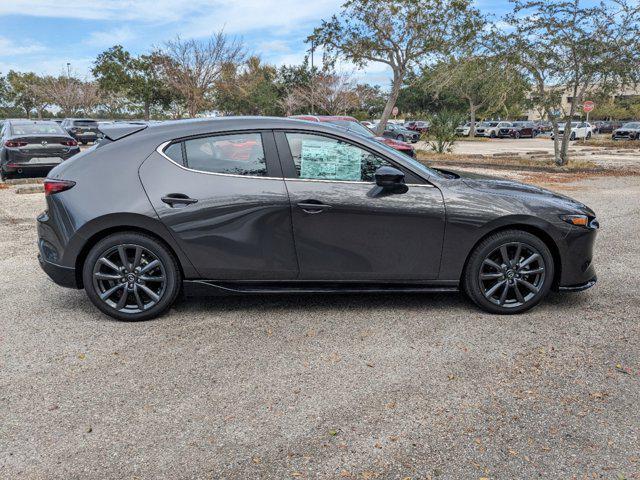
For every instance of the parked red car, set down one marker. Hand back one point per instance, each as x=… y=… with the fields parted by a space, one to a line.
x=354 y=125
x=418 y=126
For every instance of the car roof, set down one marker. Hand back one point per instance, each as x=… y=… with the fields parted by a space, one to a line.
x=28 y=122
x=323 y=118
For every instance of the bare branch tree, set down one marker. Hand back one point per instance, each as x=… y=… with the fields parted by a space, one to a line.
x=192 y=67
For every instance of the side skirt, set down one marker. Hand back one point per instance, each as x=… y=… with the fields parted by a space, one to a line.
x=209 y=287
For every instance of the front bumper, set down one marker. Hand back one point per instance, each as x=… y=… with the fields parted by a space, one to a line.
x=579 y=287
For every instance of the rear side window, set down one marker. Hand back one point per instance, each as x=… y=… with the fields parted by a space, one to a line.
x=237 y=154
x=174 y=152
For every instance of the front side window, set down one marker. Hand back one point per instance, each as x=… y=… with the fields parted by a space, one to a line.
x=236 y=154
x=323 y=158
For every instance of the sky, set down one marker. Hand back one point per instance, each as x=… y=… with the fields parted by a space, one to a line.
x=44 y=35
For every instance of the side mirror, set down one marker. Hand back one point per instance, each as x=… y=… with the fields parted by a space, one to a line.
x=390 y=178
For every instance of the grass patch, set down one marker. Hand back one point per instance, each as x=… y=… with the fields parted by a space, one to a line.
x=517 y=161
x=609 y=143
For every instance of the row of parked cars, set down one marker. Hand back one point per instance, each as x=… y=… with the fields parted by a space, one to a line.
x=35 y=146
x=525 y=129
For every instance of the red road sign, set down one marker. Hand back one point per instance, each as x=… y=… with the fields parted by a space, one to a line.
x=588 y=106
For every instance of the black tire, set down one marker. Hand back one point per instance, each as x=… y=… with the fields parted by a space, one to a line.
x=492 y=135
x=136 y=283
x=517 y=135
x=83 y=142
x=400 y=138
x=3 y=175
x=572 y=136
x=479 y=265
x=589 y=136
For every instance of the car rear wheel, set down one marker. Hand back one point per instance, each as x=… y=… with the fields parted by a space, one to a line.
x=400 y=138
x=573 y=136
x=517 y=135
x=588 y=135
x=492 y=135
x=131 y=276
x=509 y=272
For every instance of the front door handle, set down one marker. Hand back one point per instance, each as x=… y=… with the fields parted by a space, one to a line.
x=313 y=206
x=173 y=199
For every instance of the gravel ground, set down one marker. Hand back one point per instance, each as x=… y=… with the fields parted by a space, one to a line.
x=419 y=386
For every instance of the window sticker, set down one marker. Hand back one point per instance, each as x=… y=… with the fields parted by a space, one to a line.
x=330 y=160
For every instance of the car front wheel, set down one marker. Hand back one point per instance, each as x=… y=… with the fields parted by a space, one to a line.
x=509 y=272
x=131 y=276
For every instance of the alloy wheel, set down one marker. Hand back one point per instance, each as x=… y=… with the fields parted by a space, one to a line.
x=129 y=278
x=512 y=274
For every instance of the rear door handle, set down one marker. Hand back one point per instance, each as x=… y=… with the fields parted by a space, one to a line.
x=311 y=206
x=172 y=199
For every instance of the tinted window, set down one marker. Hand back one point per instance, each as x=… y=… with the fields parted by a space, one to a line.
x=238 y=154
x=85 y=123
x=37 y=129
x=317 y=157
x=174 y=152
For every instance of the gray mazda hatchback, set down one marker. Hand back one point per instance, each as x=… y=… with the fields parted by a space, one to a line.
x=268 y=205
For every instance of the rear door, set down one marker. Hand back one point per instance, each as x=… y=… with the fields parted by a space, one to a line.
x=345 y=227
x=223 y=198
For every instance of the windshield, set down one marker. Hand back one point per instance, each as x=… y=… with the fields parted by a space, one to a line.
x=633 y=125
x=353 y=127
x=37 y=129
x=574 y=124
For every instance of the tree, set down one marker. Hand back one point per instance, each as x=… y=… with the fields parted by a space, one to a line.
x=193 y=67
x=487 y=83
x=399 y=33
x=71 y=94
x=567 y=49
x=23 y=92
x=136 y=78
x=248 y=89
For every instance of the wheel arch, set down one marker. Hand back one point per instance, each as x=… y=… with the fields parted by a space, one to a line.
x=536 y=230
x=153 y=229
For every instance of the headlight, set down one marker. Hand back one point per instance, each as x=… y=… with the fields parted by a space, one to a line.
x=581 y=221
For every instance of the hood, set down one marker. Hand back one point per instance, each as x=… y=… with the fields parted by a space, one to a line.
x=501 y=186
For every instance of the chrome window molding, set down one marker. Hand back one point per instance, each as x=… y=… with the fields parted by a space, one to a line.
x=160 y=150
x=164 y=145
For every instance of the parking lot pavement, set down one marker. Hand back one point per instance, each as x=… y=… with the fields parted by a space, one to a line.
x=622 y=158
x=377 y=386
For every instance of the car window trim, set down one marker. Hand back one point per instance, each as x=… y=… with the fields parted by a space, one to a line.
x=268 y=146
x=288 y=165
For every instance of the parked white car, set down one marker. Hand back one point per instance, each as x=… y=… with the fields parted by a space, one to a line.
x=464 y=130
x=490 y=129
x=579 y=130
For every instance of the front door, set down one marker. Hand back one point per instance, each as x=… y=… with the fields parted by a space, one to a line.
x=345 y=228
x=224 y=200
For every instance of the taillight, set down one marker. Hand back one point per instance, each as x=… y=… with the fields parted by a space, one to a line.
x=57 y=186
x=69 y=143
x=14 y=143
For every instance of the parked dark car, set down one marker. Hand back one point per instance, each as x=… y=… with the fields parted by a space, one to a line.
x=628 y=131
x=519 y=130
x=84 y=130
x=354 y=125
x=606 y=126
x=254 y=205
x=30 y=147
x=418 y=126
x=398 y=132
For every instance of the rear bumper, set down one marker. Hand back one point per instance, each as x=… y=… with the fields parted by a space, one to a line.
x=63 y=276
